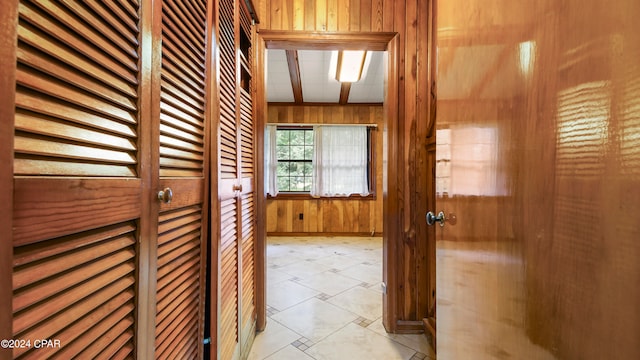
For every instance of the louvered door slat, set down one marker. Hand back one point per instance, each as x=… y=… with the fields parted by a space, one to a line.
x=179 y=154
x=176 y=86
x=248 y=268
x=119 y=348
x=76 y=115
x=40 y=40
x=229 y=279
x=73 y=41
x=121 y=10
x=75 y=97
x=167 y=120
x=186 y=9
x=79 y=334
x=175 y=74
x=103 y=336
x=177 y=92
x=121 y=25
x=54 y=98
x=30 y=122
x=75 y=24
x=50 y=109
x=184 y=25
x=44 y=64
x=116 y=34
x=178 y=53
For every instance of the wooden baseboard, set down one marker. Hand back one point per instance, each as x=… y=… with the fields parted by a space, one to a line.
x=430 y=330
x=362 y=234
x=409 y=327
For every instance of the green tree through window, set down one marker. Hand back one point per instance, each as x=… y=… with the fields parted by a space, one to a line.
x=294 y=149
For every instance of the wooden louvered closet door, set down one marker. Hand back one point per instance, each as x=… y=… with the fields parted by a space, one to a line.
x=104 y=119
x=79 y=208
x=237 y=314
x=181 y=247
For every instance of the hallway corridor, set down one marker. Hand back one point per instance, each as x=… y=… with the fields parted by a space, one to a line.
x=324 y=302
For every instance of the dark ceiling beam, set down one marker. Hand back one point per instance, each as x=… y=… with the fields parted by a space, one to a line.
x=345 y=88
x=313 y=40
x=294 y=74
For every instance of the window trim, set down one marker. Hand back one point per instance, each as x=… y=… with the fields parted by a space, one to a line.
x=371 y=169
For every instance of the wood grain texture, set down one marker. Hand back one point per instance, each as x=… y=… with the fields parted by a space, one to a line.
x=148 y=168
x=72 y=205
x=183 y=123
x=8 y=25
x=327 y=215
x=261 y=225
x=545 y=276
x=68 y=286
x=233 y=219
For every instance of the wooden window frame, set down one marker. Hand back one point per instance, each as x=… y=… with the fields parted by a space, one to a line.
x=371 y=173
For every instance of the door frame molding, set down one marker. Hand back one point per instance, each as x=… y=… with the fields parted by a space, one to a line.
x=310 y=40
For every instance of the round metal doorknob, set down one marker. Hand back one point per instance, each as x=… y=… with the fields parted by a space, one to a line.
x=165 y=195
x=431 y=218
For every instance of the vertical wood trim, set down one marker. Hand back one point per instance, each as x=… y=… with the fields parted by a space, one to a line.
x=238 y=199
x=214 y=176
x=150 y=56
x=264 y=14
x=391 y=189
x=408 y=18
x=261 y=197
x=8 y=44
x=343 y=15
x=354 y=15
x=425 y=236
x=298 y=15
x=321 y=15
x=332 y=15
x=209 y=116
x=388 y=16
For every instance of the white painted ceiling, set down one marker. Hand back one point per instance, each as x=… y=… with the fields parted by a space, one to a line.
x=318 y=86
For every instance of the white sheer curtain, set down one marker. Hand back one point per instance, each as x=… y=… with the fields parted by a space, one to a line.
x=270 y=161
x=340 y=161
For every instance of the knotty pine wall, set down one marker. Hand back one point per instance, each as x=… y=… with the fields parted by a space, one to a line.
x=329 y=216
x=411 y=242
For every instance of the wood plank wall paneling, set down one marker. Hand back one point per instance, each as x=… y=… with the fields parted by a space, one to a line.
x=326 y=215
x=410 y=19
x=326 y=15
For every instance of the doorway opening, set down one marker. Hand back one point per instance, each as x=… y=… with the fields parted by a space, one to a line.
x=388 y=43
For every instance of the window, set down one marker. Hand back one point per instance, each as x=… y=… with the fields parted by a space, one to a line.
x=321 y=161
x=294 y=149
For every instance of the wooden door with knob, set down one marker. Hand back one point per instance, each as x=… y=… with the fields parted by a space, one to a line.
x=184 y=112
x=233 y=216
x=109 y=158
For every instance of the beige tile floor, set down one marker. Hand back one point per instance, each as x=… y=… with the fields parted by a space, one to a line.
x=324 y=301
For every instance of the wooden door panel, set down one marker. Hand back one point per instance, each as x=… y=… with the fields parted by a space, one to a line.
x=229 y=252
x=178 y=288
x=75 y=287
x=228 y=265
x=248 y=264
x=46 y=208
x=179 y=292
x=77 y=196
